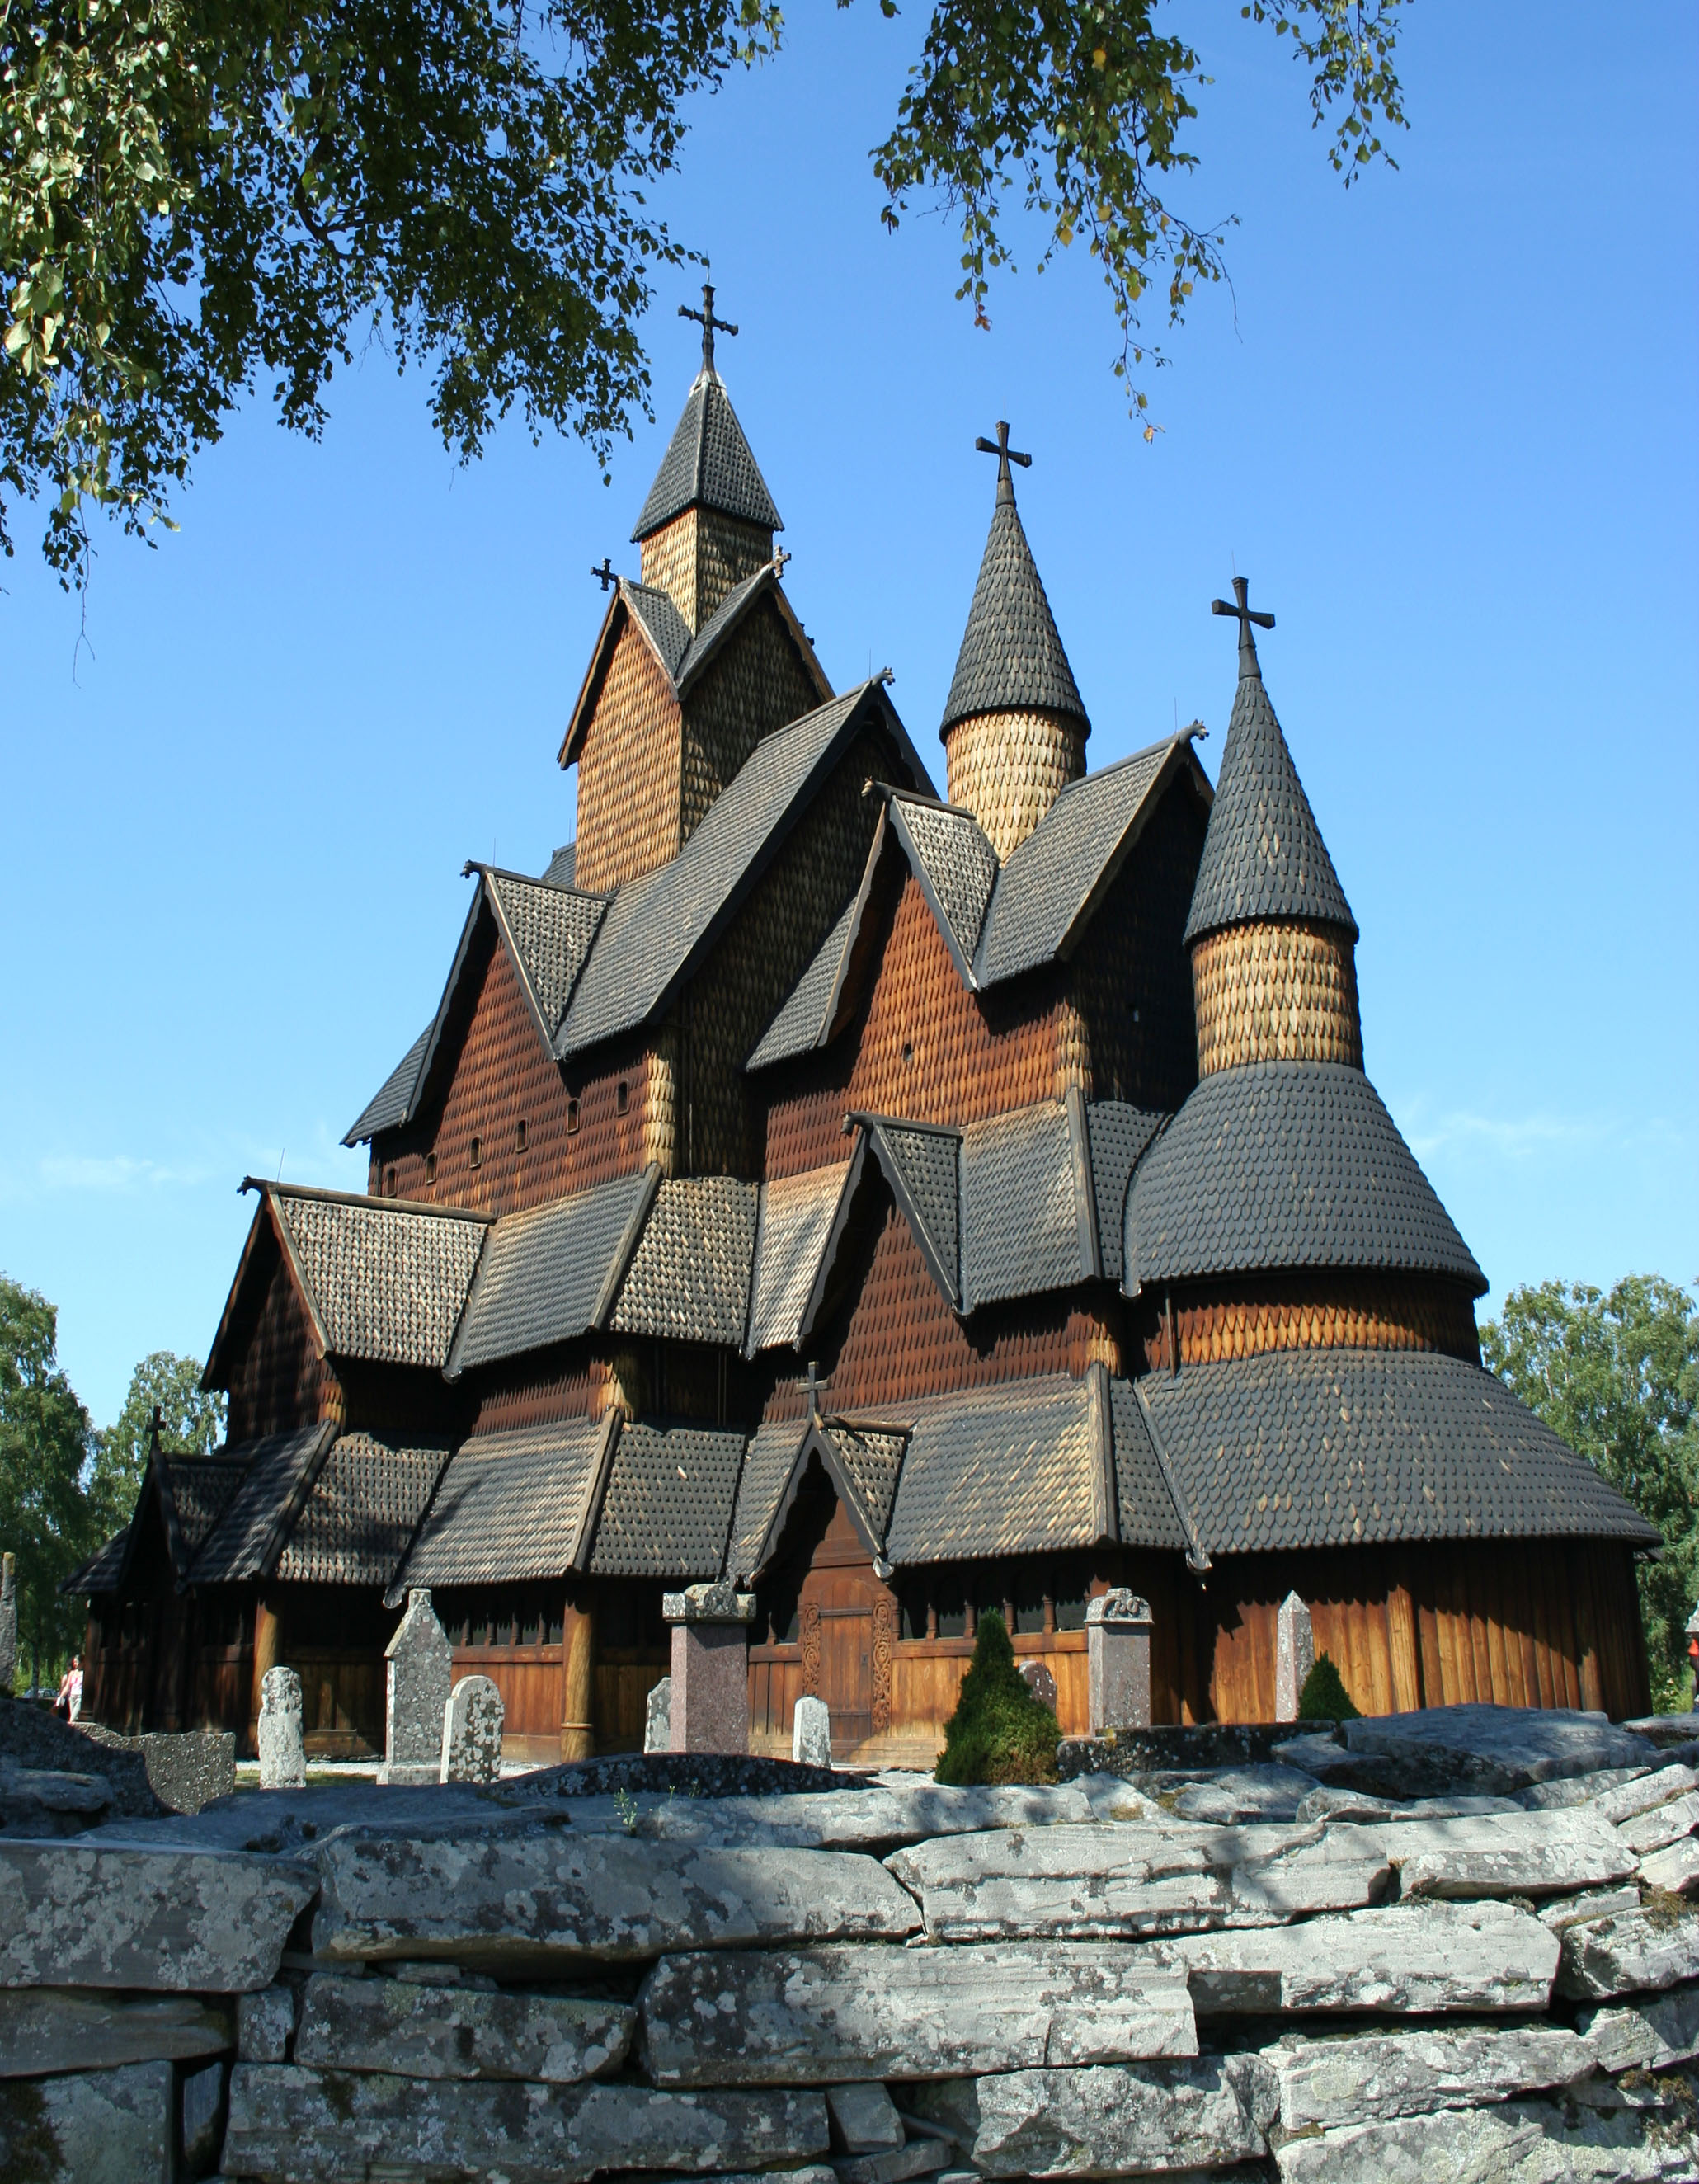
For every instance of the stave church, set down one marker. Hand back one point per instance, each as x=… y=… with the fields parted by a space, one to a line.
x=902 y=1205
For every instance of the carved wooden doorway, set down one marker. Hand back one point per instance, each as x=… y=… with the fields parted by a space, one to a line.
x=846 y=1620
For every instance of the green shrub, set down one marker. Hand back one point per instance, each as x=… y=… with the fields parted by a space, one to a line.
x=1324 y=1696
x=999 y=1732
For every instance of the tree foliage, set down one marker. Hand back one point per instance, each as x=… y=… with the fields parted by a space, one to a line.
x=1324 y=1696
x=1616 y=1374
x=999 y=1732
x=191 y=1423
x=44 y=1446
x=197 y=194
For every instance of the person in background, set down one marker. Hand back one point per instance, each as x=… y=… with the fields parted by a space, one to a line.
x=68 y=1703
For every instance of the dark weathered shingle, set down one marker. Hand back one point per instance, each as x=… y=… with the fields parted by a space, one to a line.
x=805 y=1017
x=1263 y=855
x=668 y=1508
x=921 y=1164
x=666 y=628
x=200 y=1488
x=1020 y=1211
x=1147 y=1513
x=383 y=1282
x=1064 y=865
x=100 y=1572
x=391 y=1103
x=553 y=1272
x=1006 y=1470
x=551 y=928
x=956 y=867
x=562 y=868
x=871 y=1459
x=363 y=1509
x=1313 y=1448
x=513 y=1505
x=766 y=1474
x=659 y=925
x=708 y=465
x=1012 y=658
x=1285 y=1164
x=798 y=1216
x=689 y=1279
x=278 y=1472
x=1119 y=1137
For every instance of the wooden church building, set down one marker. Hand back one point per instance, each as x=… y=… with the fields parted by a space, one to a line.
x=905 y=1205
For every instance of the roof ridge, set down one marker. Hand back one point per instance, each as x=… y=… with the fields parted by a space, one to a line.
x=279 y=1190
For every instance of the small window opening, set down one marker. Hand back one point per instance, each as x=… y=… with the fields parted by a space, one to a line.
x=389 y=1183
x=623 y=1097
x=908 y=1049
x=477 y=1152
x=519 y=1136
x=571 y=1118
x=429 y=1168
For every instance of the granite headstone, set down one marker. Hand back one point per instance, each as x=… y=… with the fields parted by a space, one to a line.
x=282 y=1749
x=472 y=1731
x=419 y=1671
x=810 y=1734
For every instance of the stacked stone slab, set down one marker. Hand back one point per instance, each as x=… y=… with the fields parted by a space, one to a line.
x=880 y=1982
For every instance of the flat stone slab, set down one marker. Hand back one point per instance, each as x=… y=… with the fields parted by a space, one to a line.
x=1674 y=1870
x=1647 y=2034
x=1510 y=1853
x=543 y=1897
x=1663 y=1825
x=1376 y=2077
x=1591 y=1903
x=1519 y=1744
x=89 y=2127
x=1123 y=1880
x=1636 y=1951
x=75 y=1914
x=792 y=2016
x=1624 y=1801
x=57 y=2028
x=1516 y=2142
x=265 y=2023
x=1228 y=1796
x=863 y=2117
x=306 y=2125
x=879 y=1819
x=431 y=2031
x=1414 y=1957
x=1577 y=1789
x=1128 y=2119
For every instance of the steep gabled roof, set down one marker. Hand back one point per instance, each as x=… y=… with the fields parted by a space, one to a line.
x=660 y=622
x=1263 y=856
x=101 y=1572
x=362 y=1509
x=1028 y=1214
x=767 y=1467
x=515 y=1506
x=823 y=999
x=708 y=465
x=955 y=865
x=1121 y=1135
x=562 y=867
x=553 y=1272
x=1280 y=1164
x=278 y=1472
x=391 y=1105
x=689 y=1280
x=802 y=1220
x=668 y=1507
x=382 y=1278
x=1011 y=659
x=921 y=1163
x=660 y=926
x=862 y=1461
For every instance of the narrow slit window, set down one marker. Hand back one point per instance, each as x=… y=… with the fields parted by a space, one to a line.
x=389 y=1183
x=519 y=1136
x=571 y=1118
x=429 y=1168
x=623 y=1097
x=477 y=1152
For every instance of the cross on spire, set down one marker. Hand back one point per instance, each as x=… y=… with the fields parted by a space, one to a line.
x=710 y=324
x=814 y=1385
x=1245 y=615
x=1005 y=454
x=605 y=576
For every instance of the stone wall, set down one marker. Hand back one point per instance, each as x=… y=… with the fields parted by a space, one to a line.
x=1452 y=1945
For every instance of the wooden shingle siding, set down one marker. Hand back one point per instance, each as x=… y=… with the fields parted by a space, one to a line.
x=1276 y=993
x=279 y=1381
x=701 y=555
x=1242 y=1319
x=628 y=772
x=755 y=683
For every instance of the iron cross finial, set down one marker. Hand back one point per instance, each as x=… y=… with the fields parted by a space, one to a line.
x=1005 y=454
x=779 y=559
x=710 y=324
x=1245 y=615
x=605 y=576
x=814 y=1385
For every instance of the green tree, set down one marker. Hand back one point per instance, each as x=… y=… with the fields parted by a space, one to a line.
x=192 y=1423
x=1616 y=1374
x=44 y=1447
x=196 y=194
x=999 y=1732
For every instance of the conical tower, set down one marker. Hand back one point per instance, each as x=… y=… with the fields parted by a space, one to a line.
x=1014 y=729
x=1272 y=937
x=709 y=520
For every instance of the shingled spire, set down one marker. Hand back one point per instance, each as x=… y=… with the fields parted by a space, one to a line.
x=709 y=520
x=1272 y=935
x=1014 y=728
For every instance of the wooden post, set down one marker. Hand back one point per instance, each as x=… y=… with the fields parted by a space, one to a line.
x=265 y=1643
x=1406 y=1663
x=578 y=1678
x=1586 y=1629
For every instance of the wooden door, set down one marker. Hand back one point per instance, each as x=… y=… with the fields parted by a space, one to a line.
x=839 y=1603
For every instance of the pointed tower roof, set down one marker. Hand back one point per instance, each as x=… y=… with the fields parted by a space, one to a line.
x=1263 y=856
x=1012 y=658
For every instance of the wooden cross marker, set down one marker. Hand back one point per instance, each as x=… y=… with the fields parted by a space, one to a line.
x=779 y=560
x=814 y=1385
x=1005 y=454
x=605 y=576
x=710 y=324
x=1245 y=615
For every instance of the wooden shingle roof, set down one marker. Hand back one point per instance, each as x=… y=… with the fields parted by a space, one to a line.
x=708 y=464
x=1012 y=658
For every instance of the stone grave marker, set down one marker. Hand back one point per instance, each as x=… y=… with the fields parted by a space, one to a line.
x=657 y=1731
x=1117 y=1661
x=472 y=1731
x=1039 y=1682
x=282 y=1749
x=420 y=1664
x=810 y=1733
x=1294 y=1656
x=710 y=1709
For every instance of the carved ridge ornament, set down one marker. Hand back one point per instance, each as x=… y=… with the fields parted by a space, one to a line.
x=884 y=1638
x=809 y=1632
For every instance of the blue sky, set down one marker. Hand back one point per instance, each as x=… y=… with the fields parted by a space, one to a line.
x=1444 y=422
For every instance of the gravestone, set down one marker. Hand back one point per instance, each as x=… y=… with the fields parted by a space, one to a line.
x=810 y=1734
x=657 y=1729
x=9 y=1620
x=1040 y=1683
x=419 y=1662
x=710 y=1708
x=282 y=1753
x=472 y=1731
x=1117 y=1661
x=1294 y=1656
